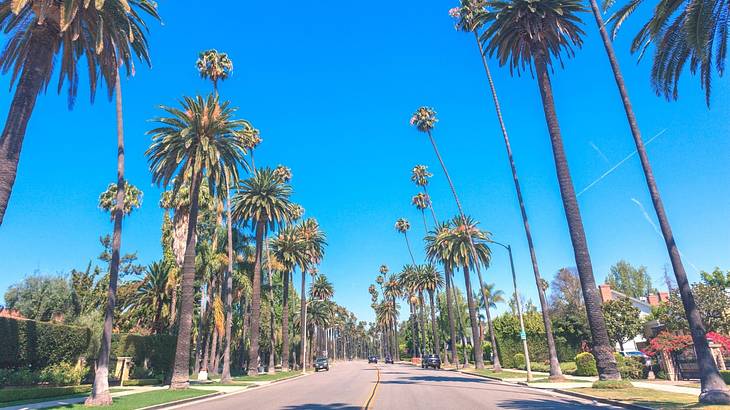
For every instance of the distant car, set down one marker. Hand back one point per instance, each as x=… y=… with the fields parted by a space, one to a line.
x=431 y=360
x=635 y=354
x=321 y=363
x=373 y=359
x=388 y=359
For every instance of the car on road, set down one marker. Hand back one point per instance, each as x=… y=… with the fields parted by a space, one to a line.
x=321 y=363
x=634 y=353
x=373 y=359
x=431 y=360
x=388 y=359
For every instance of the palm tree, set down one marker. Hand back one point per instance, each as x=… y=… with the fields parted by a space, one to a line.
x=321 y=288
x=251 y=140
x=437 y=252
x=108 y=35
x=421 y=201
x=470 y=15
x=420 y=176
x=290 y=249
x=314 y=243
x=264 y=201
x=153 y=292
x=392 y=291
x=493 y=297
x=526 y=33
x=214 y=66
x=408 y=282
x=402 y=226
x=424 y=119
x=458 y=242
x=199 y=140
x=432 y=281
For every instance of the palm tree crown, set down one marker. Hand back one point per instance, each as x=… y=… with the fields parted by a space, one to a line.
x=420 y=175
x=214 y=66
x=424 y=119
x=263 y=199
x=321 y=288
x=458 y=247
x=521 y=31
x=468 y=14
x=421 y=201
x=402 y=225
x=493 y=295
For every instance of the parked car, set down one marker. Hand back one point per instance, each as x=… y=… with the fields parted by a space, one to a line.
x=431 y=360
x=635 y=354
x=373 y=359
x=321 y=363
x=388 y=359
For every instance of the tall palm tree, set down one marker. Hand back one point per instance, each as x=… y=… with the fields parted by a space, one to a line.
x=314 y=243
x=432 y=281
x=437 y=252
x=215 y=67
x=264 y=201
x=530 y=33
x=402 y=226
x=424 y=119
x=680 y=31
x=393 y=291
x=198 y=140
x=290 y=249
x=420 y=176
x=421 y=201
x=459 y=253
x=107 y=35
x=470 y=16
x=251 y=140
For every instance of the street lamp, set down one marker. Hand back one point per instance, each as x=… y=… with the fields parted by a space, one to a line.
x=523 y=334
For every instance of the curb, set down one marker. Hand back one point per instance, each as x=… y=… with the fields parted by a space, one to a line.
x=182 y=401
x=601 y=400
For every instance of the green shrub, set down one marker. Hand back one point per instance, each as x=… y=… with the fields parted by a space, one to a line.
x=612 y=384
x=539 y=367
x=35 y=345
x=585 y=365
x=8 y=395
x=725 y=376
x=519 y=361
x=568 y=367
x=142 y=382
x=62 y=374
x=629 y=367
x=18 y=377
x=152 y=355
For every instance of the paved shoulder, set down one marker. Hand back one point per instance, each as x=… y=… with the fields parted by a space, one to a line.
x=406 y=387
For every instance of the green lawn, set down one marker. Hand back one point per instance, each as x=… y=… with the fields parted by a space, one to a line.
x=54 y=398
x=546 y=380
x=267 y=377
x=139 y=400
x=649 y=398
x=504 y=374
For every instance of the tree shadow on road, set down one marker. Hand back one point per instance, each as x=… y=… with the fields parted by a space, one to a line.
x=320 y=406
x=419 y=379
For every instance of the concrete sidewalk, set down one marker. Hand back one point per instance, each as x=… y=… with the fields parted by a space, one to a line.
x=62 y=402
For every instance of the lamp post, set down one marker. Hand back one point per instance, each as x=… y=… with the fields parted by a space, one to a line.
x=523 y=335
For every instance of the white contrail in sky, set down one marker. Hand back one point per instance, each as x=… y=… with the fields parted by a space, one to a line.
x=658 y=232
x=600 y=153
x=618 y=164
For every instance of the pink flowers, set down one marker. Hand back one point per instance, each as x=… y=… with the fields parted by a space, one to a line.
x=455 y=12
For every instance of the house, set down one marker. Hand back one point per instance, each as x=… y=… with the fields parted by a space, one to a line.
x=644 y=304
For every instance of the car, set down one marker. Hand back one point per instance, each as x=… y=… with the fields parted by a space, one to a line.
x=321 y=363
x=388 y=359
x=373 y=359
x=635 y=354
x=431 y=360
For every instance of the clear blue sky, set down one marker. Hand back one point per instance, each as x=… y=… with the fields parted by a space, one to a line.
x=331 y=86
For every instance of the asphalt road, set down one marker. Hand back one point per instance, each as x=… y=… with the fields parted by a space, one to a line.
x=349 y=386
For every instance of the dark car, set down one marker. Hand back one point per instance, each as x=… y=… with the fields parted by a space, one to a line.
x=388 y=359
x=373 y=359
x=321 y=363
x=431 y=360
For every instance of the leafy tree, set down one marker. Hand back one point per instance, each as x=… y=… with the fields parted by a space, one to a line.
x=622 y=320
x=132 y=198
x=713 y=303
x=40 y=297
x=716 y=278
x=629 y=280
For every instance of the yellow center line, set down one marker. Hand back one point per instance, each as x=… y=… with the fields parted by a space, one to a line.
x=375 y=388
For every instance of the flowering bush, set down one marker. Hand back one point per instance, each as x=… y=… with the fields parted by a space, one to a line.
x=667 y=342
x=724 y=341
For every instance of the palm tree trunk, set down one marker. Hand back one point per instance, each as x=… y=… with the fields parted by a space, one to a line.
x=212 y=359
x=416 y=338
x=422 y=322
x=555 y=372
x=285 y=323
x=395 y=334
x=100 y=390
x=21 y=108
x=450 y=313
x=714 y=389
x=496 y=365
x=226 y=376
x=303 y=323
x=602 y=347
x=408 y=244
x=430 y=206
x=434 y=329
x=476 y=334
x=272 y=360
x=253 y=349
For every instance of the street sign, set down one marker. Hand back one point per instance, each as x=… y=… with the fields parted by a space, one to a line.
x=523 y=335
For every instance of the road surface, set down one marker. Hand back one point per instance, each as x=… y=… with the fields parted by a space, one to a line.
x=353 y=385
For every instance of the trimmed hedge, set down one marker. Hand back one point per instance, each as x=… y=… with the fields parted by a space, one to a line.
x=11 y=394
x=629 y=367
x=157 y=352
x=35 y=345
x=725 y=376
x=585 y=365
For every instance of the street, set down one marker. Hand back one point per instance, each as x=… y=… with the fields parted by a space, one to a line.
x=350 y=385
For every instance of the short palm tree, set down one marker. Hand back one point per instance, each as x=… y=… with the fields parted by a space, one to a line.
x=264 y=202
x=431 y=282
x=420 y=176
x=527 y=33
x=106 y=35
x=198 y=140
x=153 y=292
x=321 y=288
x=214 y=66
x=470 y=17
x=403 y=226
x=290 y=249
